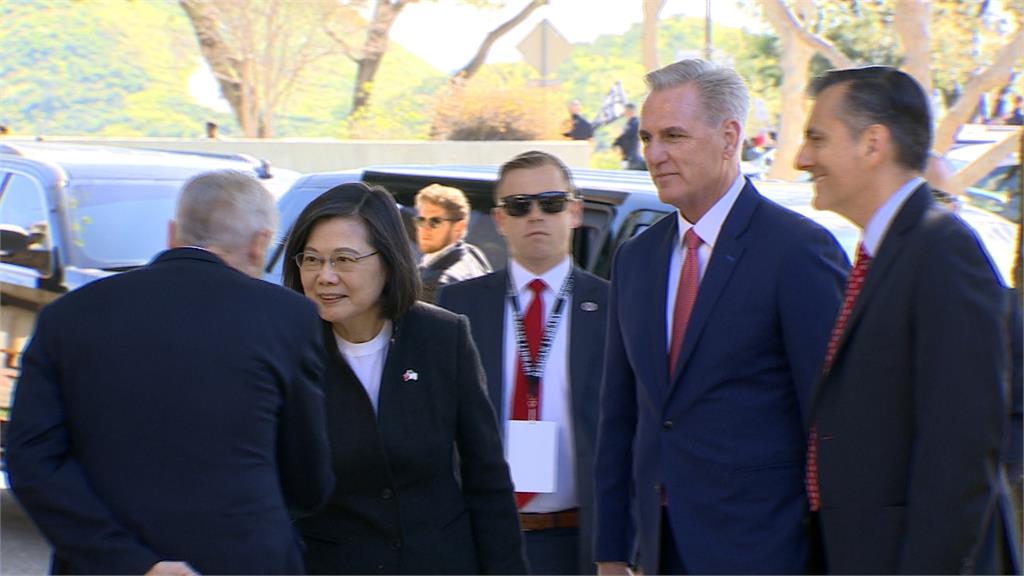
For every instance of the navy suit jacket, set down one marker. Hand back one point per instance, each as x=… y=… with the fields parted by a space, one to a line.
x=423 y=487
x=483 y=301
x=172 y=413
x=911 y=414
x=723 y=437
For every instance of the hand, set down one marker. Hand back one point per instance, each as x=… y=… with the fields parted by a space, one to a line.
x=169 y=568
x=613 y=569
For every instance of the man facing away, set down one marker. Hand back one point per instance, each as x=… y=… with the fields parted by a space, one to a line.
x=167 y=420
x=539 y=326
x=907 y=419
x=719 y=316
x=628 y=141
x=443 y=215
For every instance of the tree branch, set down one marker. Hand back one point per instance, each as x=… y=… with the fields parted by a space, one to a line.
x=784 y=19
x=478 y=59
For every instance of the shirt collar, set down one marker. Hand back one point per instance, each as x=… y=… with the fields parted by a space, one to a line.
x=879 y=223
x=710 y=224
x=554 y=277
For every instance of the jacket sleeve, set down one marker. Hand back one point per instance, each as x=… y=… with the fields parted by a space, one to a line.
x=304 y=458
x=959 y=359
x=486 y=482
x=51 y=484
x=613 y=474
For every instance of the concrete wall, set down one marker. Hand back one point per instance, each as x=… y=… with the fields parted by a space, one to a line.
x=320 y=155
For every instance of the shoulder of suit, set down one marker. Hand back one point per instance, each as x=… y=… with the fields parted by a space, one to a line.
x=586 y=278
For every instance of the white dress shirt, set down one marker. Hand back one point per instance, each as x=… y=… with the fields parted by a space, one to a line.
x=555 y=394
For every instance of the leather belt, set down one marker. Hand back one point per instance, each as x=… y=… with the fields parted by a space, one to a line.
x=549 y=520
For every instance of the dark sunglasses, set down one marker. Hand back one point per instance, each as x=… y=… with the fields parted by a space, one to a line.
x=519 y=205
x=433 y=222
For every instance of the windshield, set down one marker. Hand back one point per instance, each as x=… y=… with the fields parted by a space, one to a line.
x=119 y=224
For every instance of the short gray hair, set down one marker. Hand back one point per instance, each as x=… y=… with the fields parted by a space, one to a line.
x=223 y=208
x=722 y=92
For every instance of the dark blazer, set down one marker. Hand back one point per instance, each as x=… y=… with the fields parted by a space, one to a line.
x=725 y=434
x=483 y=300
x=462 y=261
x=910 y=416
x=172 y=413
x=423 y=485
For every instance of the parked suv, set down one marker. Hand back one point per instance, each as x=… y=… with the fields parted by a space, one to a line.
x=617 y=205
x=70 y=214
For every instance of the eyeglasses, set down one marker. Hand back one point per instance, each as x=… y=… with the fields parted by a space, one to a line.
x=519 y=205
x=433 y=222
x=311 y=262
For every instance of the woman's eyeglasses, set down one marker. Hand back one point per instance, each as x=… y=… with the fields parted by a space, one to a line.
x=310 y=262
x=433 y=222
x=519 y=204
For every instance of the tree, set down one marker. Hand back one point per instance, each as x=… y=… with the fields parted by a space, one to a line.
x=912 y=21
x=650 y=37
x=470 y=69
x=258 y=51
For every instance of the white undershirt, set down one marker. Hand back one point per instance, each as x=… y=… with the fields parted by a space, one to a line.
x=367 y=360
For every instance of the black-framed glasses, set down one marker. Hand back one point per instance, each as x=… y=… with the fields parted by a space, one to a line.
x=313 y=262
x=433 y=222
x=519 y=204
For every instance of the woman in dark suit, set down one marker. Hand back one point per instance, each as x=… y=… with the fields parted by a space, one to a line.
x=423 y=487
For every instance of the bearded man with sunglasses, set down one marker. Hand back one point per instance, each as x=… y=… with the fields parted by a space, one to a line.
x=443 y=213
x=539 y=327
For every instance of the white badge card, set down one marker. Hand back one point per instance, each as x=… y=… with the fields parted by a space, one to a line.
x=532 y=454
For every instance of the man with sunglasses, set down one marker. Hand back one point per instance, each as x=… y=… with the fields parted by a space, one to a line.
x=720 y=316
x=539 y=327
x=443 y=212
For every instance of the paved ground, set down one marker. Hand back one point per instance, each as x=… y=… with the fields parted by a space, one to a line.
x=22 y=550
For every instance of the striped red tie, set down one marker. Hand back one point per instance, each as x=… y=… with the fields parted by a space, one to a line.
x=686 y=294
x=853 y=285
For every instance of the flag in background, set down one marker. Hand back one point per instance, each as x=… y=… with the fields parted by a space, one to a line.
x=612 y=107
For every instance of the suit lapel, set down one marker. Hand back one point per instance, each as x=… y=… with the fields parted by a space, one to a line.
x=654 y=305
x=489 y=335
x=724 y=257
x=888 y=254
x=584 y=324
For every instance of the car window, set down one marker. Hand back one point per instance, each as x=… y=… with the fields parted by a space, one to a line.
x=119 y=224
x=24 y=219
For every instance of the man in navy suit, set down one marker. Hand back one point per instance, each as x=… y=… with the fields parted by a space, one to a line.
x=537 y=210
x=167 y=420
x=904 y=454
x=719 y=317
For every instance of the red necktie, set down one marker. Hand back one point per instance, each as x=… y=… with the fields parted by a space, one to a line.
x=533 y=324
x=853 y=285
x=686 y=294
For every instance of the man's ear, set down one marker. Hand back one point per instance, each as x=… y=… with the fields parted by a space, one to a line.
x=460 y=228
x=876 y=144
x=731 y=133
x=498 y=216
x=575 y=213
x=258 y=246
x=172 y=242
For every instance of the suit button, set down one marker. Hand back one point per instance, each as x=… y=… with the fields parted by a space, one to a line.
x=667 y=424
x=386 y=493
x=380 y=568
x=396 y=544
x=657 y=488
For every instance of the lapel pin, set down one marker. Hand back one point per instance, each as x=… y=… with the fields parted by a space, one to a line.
x=588 y=306
x=410 y=375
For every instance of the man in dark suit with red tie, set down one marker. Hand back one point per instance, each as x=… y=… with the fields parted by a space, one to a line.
x=719 y=316
x=904 y=468
x=539 y=326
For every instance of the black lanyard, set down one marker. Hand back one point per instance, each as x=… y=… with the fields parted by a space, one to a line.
x=534 y=370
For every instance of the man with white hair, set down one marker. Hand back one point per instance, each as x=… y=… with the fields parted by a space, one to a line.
x=719 y=316
x=167 y=420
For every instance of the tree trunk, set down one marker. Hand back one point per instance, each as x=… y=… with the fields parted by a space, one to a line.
x=218 y=54
x=911 y=21
x=982 y=165
x=470 y=69
x=989 y=78
x=795 y=57
x=650 y=39
x=373 y=50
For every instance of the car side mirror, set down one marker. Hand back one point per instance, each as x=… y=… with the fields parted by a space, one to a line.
x=13 y=239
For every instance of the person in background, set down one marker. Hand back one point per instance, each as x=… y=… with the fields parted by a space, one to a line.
x=628 y=142
x=903 y=466
x=441 y=222
x=211 y=131
x=545 y=308
x=718 y=320
x=424 y=487
x=168 y=420
x=580 y=128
